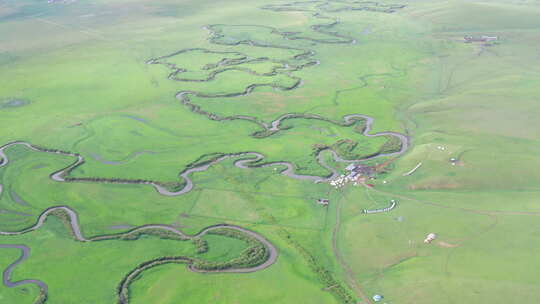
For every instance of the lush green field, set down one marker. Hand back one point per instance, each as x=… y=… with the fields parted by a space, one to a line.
x=102 y=78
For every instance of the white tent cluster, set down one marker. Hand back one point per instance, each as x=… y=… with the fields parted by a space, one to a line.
x=352 y=176
x=342 y=180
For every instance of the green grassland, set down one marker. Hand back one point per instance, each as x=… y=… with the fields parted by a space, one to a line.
x=25 y=293
x=171 y=284
x=74 y=265
x=479 y=106
x=100 y=78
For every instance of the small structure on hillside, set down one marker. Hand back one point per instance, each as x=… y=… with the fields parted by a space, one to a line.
x=355 y=170
x=323 y=201
x=389 y=208
x=483 y=38
x=377 y=297
x=366 y=170
x=413 y=169
x=430 y=237
x=490 y=38
x=356 y=174
x=350 y=167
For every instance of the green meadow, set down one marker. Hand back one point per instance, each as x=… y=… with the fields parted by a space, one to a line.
x=145 y=90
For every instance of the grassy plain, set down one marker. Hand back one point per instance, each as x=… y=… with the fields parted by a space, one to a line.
x=81 y=69
x=478 y=107
x=73 y=264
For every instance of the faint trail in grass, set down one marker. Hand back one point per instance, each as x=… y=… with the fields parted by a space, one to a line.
x=337 y=253
x=87 y=32
x=479 y=211
x=132 y=156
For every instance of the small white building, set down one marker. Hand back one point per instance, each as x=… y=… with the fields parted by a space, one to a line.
x=430 y=237
x=323 y=202
x=489 y=38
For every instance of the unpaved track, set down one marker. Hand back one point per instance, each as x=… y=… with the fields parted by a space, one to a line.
x=348 y=271
x=478 y=211
x=120 y=162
